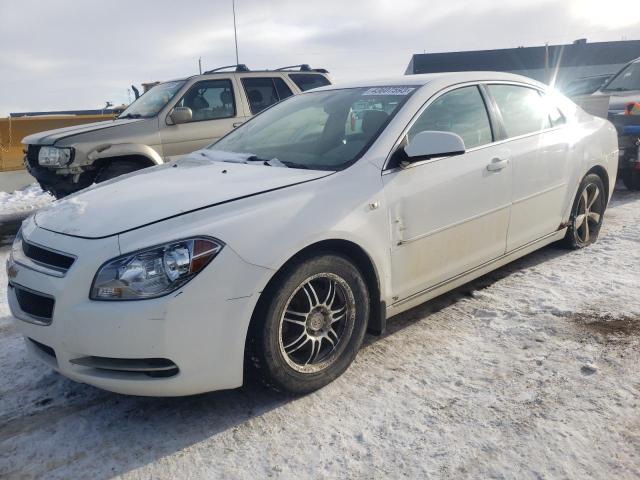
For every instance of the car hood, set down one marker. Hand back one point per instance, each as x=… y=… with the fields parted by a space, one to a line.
x=158 y=193
x=50 y=137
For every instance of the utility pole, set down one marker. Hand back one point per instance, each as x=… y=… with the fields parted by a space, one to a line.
x=200 y=65
x=235 y=33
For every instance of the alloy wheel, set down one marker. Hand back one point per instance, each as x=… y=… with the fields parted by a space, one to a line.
x=316 y=323
x=589 y=213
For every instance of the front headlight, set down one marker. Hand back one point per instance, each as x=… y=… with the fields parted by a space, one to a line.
x=155 y=271
x=54 y=156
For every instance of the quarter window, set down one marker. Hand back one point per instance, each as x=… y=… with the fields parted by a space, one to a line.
x=555 y=115
x=523 y=109
x=262 y=92
x=460 y=111
x=210 y=100
x=307 y=81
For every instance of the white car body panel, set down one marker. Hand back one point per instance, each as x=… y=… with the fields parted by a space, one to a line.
x=427 y=228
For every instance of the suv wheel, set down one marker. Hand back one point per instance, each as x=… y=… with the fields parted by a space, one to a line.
x=312 y=326
x=115 y=168
x=587 y=213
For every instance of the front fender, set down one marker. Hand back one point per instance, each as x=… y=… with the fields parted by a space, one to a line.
x=125 y=149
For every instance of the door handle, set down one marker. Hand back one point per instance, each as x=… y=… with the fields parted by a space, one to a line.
x=237 y=124
x=497 y=164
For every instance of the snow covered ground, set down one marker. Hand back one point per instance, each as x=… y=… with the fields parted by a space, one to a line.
x=20 y=203
x=529 y=372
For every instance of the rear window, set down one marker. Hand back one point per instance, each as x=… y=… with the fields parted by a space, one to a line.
x=307 y=81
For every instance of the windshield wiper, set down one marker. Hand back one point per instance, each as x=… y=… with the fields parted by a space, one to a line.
x=617 y=89
x=130 y=115
x=295 y=165
x=273 y=162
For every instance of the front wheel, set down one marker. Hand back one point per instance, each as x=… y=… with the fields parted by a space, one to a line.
x=587 y=213
x=117 y=168
x=312 y=326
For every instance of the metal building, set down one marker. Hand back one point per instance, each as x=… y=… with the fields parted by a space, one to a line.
x=565 y=62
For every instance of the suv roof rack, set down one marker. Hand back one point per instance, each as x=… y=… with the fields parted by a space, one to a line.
x=303 y=67
x=240 y=67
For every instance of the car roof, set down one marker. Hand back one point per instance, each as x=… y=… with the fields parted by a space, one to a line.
x=247 y=73
x=427 y=78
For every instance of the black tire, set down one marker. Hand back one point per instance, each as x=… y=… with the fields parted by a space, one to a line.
x=267 y=352
x=631 y=179
x=116 y=168
x=584 y=229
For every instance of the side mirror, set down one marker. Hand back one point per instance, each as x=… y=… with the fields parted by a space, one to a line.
x=180 y=115
x=431 y=144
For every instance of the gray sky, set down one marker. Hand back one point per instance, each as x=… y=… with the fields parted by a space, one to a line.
x=71 y=54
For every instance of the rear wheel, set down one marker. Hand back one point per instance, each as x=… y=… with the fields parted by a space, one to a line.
x=115 y=168
x=311 y=328
x=587 y=213
x=631 y=179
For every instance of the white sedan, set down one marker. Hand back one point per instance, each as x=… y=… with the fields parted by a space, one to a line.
x=279 y=246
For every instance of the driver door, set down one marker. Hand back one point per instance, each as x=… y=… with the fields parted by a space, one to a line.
x=215 y=111
x=449 y=215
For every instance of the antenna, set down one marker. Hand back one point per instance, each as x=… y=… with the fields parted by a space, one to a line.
x=235 y=33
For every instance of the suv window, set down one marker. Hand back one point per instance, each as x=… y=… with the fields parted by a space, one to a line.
x=210 y=100
x=307 y=81
x=461 y=111
x=282 y=88
x=523 y=109
x=262 y=92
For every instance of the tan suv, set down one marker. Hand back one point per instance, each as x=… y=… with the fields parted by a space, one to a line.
x=171 y=119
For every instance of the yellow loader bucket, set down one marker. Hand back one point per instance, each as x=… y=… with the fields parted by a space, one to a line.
x=14 y=129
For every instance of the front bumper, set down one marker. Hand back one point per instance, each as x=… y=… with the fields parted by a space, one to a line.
x=58 y=180
x=201 y=328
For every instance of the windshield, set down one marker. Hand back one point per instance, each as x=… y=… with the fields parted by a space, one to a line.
x=584 y=86
x=149 y=104
x=326 y=130
x=627 y=79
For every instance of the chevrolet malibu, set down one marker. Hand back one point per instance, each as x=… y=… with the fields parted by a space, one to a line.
x=277 y=248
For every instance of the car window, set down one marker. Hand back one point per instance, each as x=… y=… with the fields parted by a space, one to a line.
x=262 y=92
x=149 y=104
x=282 y=88
x=318 y=130
x=555 y=115
x=460 y=111
x=210 y=100
x=523 y=109
x=307 y=81
x=627 y=79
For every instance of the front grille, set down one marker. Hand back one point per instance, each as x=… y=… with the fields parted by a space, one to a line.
x=43 y=348
x=46 y=257
x=152 y=367
x=32 y=155
x=35 y=304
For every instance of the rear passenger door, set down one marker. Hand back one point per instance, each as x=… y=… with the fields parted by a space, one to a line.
x=539 y=148
x=215 y=111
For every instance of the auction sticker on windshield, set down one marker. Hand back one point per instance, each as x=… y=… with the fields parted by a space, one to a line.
x=389 y=91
